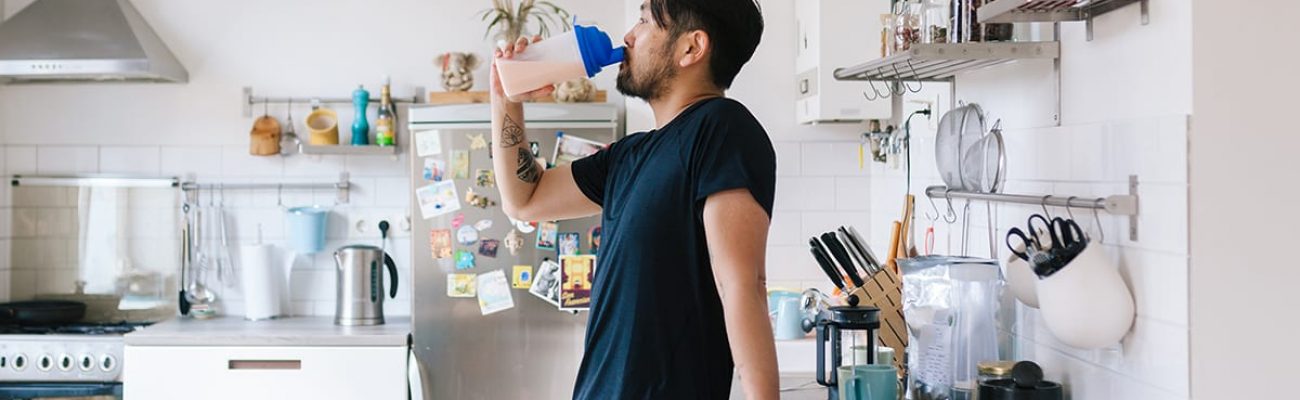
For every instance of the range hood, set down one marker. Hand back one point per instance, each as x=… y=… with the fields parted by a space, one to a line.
x=84 y=41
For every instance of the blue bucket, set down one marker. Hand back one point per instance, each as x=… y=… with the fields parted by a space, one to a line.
x=307 y=228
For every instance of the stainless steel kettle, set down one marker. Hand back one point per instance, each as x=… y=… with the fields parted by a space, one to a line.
x=360 y=295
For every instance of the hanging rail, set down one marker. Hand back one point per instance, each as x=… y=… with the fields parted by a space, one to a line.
x=250 y=100
x=1114 y=204
x=343 y=186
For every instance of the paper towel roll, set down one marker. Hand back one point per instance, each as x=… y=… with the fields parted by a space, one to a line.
x=261 y=282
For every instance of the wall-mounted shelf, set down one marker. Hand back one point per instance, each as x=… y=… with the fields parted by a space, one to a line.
x=344 y=149
x=1007 y=11
x=939 y=62
x=249 y=100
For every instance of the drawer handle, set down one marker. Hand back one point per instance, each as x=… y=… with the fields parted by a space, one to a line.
x=264 y=364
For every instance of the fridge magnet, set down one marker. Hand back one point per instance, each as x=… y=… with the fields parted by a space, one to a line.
x=461 y=285
x=494 y=293
x=466 y=235
x=459 y=164
x=536 y=148
x=434 y=169
x=569 y=148
x=593 y=239
x=484 y=178
x=547 y=235
x=476 y=200
x=546 y=283
x=464 y=260
x=513 y=241
x=522 y=278
x=428 y=143
x=476 y=141
x=483 y=225
x=524 y=227
x=488 y=248
x=437 y=199
x=569 y=243
x=440 y=243
x=576 y=274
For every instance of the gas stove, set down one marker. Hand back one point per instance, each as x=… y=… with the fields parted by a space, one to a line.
x=63 y=353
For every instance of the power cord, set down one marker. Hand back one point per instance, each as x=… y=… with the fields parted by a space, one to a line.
x=907 y=143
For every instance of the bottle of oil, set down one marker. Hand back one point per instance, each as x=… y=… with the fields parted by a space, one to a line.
x=385 y=134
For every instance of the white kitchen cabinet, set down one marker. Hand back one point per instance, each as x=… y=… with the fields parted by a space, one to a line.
x=834 y=34
x=273 y=373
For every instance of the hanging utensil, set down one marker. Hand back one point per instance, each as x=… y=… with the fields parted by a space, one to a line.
x=224 y=267
x=183 y=300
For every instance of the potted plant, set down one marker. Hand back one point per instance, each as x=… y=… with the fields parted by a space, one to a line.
x=509 y=21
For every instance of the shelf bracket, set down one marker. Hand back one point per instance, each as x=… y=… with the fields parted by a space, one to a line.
x=1133 y=218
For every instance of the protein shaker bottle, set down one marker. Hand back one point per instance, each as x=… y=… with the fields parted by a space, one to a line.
x=579 y=53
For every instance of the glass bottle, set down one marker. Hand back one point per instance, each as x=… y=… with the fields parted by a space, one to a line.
x=935 y=20
x=384 y=132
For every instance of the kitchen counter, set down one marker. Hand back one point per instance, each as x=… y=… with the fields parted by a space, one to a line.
x=796 y=386
x=298 y=331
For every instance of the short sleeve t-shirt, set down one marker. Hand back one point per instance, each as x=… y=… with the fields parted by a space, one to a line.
x=656 y=327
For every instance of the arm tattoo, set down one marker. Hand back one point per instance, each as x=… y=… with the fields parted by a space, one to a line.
x=528 y=170
x=511 y=134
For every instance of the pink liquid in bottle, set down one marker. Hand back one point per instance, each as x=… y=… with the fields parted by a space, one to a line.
x=518 y=77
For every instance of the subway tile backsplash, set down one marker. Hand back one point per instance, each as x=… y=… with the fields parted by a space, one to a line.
x=30 y=262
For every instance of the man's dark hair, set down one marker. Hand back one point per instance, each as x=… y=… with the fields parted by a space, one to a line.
x=734 y=28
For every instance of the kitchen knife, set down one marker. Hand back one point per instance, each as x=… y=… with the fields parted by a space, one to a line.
x=866 y=250
x=857 y=248
x=842 y=255
x=825 y=263
x=854 y=252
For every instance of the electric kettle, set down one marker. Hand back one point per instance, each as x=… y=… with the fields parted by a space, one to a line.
x=360 y=295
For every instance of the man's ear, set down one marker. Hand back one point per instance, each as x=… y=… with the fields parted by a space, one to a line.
x=695 y=45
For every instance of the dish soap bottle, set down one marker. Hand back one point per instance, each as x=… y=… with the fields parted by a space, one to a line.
x=360 y=128
x=384 y=132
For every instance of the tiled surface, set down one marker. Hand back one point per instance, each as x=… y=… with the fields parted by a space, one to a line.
x=1094 y=159
x=42 y=263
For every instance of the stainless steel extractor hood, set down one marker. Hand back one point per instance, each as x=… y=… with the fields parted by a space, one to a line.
x=84 y=40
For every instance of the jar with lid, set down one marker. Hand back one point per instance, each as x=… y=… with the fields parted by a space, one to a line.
x=935 y=20
x=886 y=35
x=990 y=370
x=907 y=25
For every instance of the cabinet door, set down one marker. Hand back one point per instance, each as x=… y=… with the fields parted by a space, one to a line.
x=272 y=373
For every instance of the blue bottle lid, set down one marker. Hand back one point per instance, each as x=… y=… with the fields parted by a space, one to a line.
x=597 y=49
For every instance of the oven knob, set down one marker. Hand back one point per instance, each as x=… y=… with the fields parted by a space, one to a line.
x=65 y=362
x=107 y=362
x=87 y=363
x=20 y=362
x=45 y=363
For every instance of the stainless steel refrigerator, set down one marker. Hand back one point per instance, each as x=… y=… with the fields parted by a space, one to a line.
x=531 y=351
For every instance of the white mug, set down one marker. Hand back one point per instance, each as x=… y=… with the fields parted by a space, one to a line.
x=1086 y=304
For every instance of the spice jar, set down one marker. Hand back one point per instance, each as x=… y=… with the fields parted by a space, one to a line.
x=934 y=21
x=907 y=25
x=886 y=35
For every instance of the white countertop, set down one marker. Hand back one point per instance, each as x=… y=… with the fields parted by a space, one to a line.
x=297 y=331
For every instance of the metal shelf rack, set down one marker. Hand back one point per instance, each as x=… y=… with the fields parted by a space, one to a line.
x=1114 y=204
x=939 y=62
x=1007 y=11
x=343 y=186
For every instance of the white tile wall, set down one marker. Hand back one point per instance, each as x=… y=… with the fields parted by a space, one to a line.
x=380 y=191
x=1152 y=361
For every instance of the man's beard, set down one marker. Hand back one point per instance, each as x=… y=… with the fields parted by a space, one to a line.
x=651 y=85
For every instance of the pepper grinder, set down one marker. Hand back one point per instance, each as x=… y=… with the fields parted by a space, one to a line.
x=360 y=127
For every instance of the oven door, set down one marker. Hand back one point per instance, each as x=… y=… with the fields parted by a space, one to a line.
x=63 y=390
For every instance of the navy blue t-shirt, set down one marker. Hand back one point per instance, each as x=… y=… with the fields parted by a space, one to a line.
x=656 y=328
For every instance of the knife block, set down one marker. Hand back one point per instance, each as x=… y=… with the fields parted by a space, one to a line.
x=885 y=291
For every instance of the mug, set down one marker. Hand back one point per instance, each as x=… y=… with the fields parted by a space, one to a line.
x=868 y=382
x=1086 y=304
x=324 y=126
x=789 y=318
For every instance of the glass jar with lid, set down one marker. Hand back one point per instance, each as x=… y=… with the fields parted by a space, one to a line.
x=907 y=25
x=935 y=20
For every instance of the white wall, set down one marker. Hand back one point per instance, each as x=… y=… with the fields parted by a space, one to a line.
x=281 y=48
x=1244 y=173
x=1125 y=106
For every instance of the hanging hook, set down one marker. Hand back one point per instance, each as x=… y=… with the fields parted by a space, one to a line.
x=266 y=107
x=902 y=86
x=869 y=98
x=1101 y=232
x=951 y=212
x=1069 y=210
x=279 y=196
x=917 y=78
x=879 y=95
x=935 y=216
x=1047 y=214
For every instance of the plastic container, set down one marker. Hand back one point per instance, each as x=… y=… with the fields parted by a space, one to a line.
x=307 y=228
x=579 y=53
